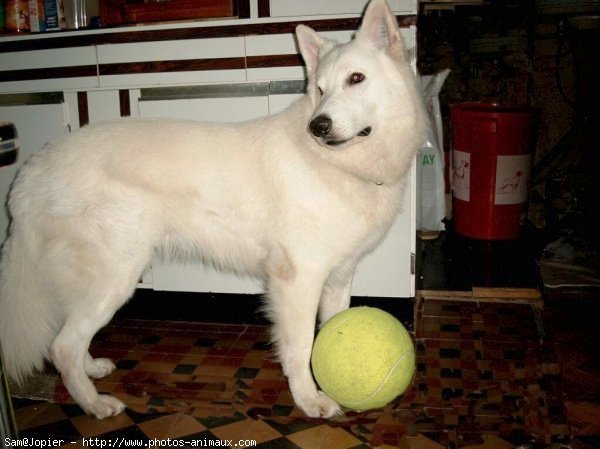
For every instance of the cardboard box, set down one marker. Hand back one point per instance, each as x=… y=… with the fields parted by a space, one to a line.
x=36 y=16
x=53 y=14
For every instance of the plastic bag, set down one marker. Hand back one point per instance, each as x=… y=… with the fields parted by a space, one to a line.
x=431 y=201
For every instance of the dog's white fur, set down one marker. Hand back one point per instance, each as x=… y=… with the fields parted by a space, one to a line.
x=264 y=198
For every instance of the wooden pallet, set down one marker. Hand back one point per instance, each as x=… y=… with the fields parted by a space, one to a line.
x=527 y=296
x=530 y=296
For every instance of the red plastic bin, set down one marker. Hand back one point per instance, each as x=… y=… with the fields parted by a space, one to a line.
x=492 y=148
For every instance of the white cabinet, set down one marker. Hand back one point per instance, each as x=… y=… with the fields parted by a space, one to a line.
x=36 y=124
x=224 y=70
x=189 y=61
x=45 y=69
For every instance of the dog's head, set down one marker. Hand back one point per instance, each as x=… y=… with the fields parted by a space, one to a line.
x=351 y=85
x=362 y=91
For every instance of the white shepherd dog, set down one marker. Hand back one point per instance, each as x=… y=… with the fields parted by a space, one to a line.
x=296 y=199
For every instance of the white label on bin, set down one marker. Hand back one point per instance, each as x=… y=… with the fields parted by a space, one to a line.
x=461 y=174
x=512 y=178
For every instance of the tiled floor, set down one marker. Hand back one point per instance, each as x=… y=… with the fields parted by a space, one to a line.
x=483 y=380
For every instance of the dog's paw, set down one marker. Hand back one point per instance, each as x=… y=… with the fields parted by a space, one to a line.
x=319 y=406
x=98 y=368
x=105 y=406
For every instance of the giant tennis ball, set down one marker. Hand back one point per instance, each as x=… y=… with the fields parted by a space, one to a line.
x=363 y=358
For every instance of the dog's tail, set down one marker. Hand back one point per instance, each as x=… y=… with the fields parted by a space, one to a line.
x=28 y=323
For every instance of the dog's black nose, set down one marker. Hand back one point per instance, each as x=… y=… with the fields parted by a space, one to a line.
x=320 y=126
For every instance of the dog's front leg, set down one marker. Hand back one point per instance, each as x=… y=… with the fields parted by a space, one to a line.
x=336 y=293
x=294 y=302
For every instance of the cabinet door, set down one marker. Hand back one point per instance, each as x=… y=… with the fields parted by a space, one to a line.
x=38 y=118
x=216 y=103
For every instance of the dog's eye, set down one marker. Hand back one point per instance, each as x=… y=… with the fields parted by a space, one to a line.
x=356 y=78
x=320 y=91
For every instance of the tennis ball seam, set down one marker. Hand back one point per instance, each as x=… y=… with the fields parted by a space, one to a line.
x=382 y=384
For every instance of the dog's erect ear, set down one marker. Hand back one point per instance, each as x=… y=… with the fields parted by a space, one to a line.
x=380 y=26
x=310 y=44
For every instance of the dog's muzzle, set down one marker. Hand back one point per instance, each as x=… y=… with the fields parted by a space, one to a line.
x=321 y=126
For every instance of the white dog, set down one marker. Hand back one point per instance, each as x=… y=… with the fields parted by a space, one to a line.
x=295 y=199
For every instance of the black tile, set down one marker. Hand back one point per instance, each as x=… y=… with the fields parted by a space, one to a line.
x=241 y=395
x=126 y=364
x=478 y=334
x=246 y=373
x=242 y=385
x=491 y=406
x=156 y=401
x=149 y=340
x=261 y=346
x=72 y=410
x=139 y=418
x=510 y=330
x=477 y=395
x=485 y=375
x=63 y=429
x=448 y=353
x=292 y=426
x=282 y=410
x=201 y=439
x=451 y=393
x=217 y=421
x=514 y=354
x=279 y=443
x=449 y=373
x=183 y=368
x=131 y=433
x=205 y=342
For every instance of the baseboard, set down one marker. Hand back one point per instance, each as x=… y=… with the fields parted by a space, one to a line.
x=231 y=308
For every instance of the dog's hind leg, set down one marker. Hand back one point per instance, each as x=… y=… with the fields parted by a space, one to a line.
x=293 y=305
x=70 y=350
x=98 y=368
x=112 y=283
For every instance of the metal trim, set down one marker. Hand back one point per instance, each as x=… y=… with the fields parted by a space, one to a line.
x=287 y=87
x=260 y=89
x=27 y=99
x=257 y=89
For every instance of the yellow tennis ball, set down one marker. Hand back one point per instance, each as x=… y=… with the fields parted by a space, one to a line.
x=363 y=358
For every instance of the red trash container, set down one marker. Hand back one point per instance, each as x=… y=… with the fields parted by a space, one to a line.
x=491 y=163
